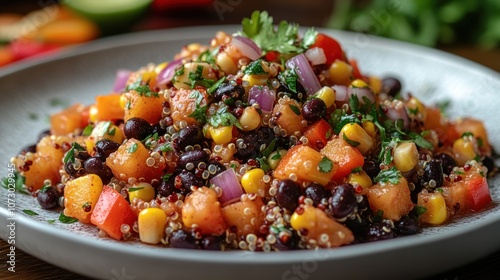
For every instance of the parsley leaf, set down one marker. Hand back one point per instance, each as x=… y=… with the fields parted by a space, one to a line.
x=420 y=141
x=285 y=39
x=30 y=212
x=135 y=189
x=133 y=148
x=70 y=154
x=390 y=175
x=342 y=120
x=199 y=114
x=349 y=141
x=66 y=219
x=325 y=165
x=214 y=87
x=146 y=91
x=223 y=118
x=255 y=68
x=295 y=109
x=196 y=78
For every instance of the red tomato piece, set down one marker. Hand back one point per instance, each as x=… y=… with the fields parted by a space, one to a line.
x=346 y=156
x=478 y=193
x=111 y=212
x=318 y=134
x=330 y=46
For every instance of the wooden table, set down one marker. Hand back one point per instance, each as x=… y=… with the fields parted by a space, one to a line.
x=28 y=267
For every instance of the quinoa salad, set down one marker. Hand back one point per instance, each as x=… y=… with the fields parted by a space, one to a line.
x=268 y=139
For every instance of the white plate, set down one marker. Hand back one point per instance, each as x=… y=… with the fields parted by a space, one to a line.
x=81 y=73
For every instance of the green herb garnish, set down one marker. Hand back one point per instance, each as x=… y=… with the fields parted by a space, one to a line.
x=133 y=148
x=66 y=219
x=30 y=212
x=390 y=175
x=325 y=165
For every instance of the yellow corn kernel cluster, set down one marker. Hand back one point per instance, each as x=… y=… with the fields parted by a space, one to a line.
x=435 y=205
x=340 y=72
x=359 y=83
x=222 y=134
x=464 y=149
x=305 y=220
x=252 y=181
x=360 y=178
x=327 y=94
x=357 y=136
x=143 y=191
x=250 y=119
x=151 y=222
x=405 y=156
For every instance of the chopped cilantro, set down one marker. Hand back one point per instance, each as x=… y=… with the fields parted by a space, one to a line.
x=467 y=134
x=214 y=87
x=263 y=164
x=295 y=109
x=17 y=179
x=135 y=189
x=167 y=147
x=390 y=175
x=167 y=177
x=30 y=212
x=199 y=114
x=87 y=130
x=146 y=91
x=419 y=210
x=51 y=221
x=196 y=94
x=290 y=78
x=285 y=39
x=70 y=154
x=420 y=141
x=223 y=118
x=66 y=219
x=255 y=68
x=349 y=141
x=339 y=120
x=133 y=148
x=357 y=169
x=196 y=78
x=325 y=165
x=269 y=149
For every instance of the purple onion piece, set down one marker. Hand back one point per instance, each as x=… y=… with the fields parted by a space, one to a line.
x=247 y=47
x=121 y=79
x=263 y=96
x=167 y=73
x=305 y=73
x=230 y=186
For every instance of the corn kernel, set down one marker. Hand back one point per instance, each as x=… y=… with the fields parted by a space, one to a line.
x=151 y=223
x=221 y=134
x=305 y=220
x=416 y=109
x=252 y=181
x=107 y=130
x=359 y=83
x=340 y=73
x=143 y=191
x=405 y=156
x=93 y=113
x=435 y=204
x=160 y=67
x=360 y=178
x=124 y=102
x=370 y=128
x=275 y=157
x=256 y=80
x=464 y=149
x=327 y=94
x=375 y=85
x=357 y=137
x=250 y=119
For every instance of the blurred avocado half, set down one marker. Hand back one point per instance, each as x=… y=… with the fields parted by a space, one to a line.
x=112 y=16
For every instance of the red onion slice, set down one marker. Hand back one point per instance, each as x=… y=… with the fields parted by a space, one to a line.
x=340 y=93
x=247 y=47
x=361 y=92
x=167 y=73
x=316 y=56
x=121 y=79
x=230 y=186
x=395 y=111
x=305 y=73
x=263 y=96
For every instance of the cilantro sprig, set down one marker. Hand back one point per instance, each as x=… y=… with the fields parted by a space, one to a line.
x=390 y=175
x=284 y=39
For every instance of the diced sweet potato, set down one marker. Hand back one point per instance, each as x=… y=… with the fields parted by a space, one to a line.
x=307 y=164
x=246 y=215
x=288 y=116
x=202 y=210
x=325 y=231
x=67 y=121
x=344 y=155
x=81 y=196
x=145 y=106
x=108 y=107
x=184 y=102
x=393 y=199
x=133 y=160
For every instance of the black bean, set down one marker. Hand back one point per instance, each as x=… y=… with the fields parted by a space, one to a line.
x=94 y=165
x=391 y=86
x=433 y=174
x=188 y=179
x=316 y=192
x=137 y=128
x=219 y=167
x=314 y=109
x=211 y=242
x=371 y=168
x=81 y=155
x=69 y=167
x=182 y=239
x=252 y=141
x=228 y=91
x=166 y=188
x=28 y=149
x=447 y=162
x=43 y=134
x=288 y=194
x=194 y=157
x=489 y=163
x=189 y=135
x=358 y=225
x=343 y=201
x=47 y=197
x=408 y=225
x=287 y=243
x=105 y=147
x=158 y=129
x=379 y=231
